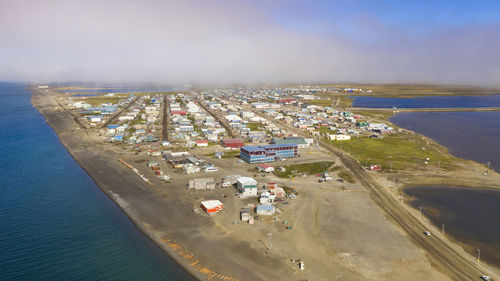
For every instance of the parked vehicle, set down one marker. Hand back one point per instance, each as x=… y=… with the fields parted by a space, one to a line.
x=211 y=169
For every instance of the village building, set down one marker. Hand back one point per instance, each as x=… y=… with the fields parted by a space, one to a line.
x=212 y=206
x=268 y=153
x=265 y=210
x=232 y=143
x=300 y=142
x=201 y=184
x=265 y=168
x=247 y=187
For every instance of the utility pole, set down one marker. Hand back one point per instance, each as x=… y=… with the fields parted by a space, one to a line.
x=478 y=254
x=442 y=231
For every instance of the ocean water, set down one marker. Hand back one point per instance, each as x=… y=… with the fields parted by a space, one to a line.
x=55 y=223
x=428 y=102
x=471 y=216
x=470 y=135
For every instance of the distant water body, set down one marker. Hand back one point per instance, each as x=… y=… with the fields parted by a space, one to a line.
x=471 y=216
x=428 y=102
x=55 y=223
x=470 y=135
x=123 y=90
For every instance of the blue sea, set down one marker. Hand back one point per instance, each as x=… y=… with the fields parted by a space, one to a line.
x=55 y=223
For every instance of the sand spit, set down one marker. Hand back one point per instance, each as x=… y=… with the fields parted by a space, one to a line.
x=339 y=233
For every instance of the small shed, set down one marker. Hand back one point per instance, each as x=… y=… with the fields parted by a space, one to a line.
x=265 y=210
x=265 y=168
x=245 y=214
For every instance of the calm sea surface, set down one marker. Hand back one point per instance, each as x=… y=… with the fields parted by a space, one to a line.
x=55 y=223
x=428 y=102
x=471 y=216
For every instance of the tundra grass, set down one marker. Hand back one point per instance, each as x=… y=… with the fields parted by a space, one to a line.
x=399 y=151
x=307 y=168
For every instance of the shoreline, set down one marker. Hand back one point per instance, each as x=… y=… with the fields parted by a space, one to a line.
x=169 y=252
x=466 y=243
x=162 y=240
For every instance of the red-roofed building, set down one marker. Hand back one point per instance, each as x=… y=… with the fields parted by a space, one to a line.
x=201 y=143
x=232 y=143
x=265 y=168
x=287 y=101
x=212 y=206
x=180 y=112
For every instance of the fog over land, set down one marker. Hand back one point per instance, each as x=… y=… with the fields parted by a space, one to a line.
x=217 y=42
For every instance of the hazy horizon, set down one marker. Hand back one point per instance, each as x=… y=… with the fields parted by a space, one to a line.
x=250 y=42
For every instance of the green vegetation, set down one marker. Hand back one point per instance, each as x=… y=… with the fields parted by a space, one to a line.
x=136 y=121
x=378 y=115
x=307 y=168
x=344 y=102
x=325 y=130
x=231 y=154
x=402 y=151
x=228 y=154
x=335 y=168
x=255 y=126
x=321 y=102
x=96 y=101
x=347 y=176
x=289 y=190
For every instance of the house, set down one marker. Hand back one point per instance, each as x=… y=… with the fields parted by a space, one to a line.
x=265 y=168
x=212 y=206
x=247 y=187
x=265 y=210
x=95 y=118
x=232 y=143
x=190 y=169
x=267 y=198
x=268 y=153
x=230 y=180
x=245 y=214
x=201 y=143
x=275 y=190
x=339 y=137
x=154 y=153
x=201 y=184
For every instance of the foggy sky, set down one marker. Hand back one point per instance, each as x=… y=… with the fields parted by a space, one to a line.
x=217 y=42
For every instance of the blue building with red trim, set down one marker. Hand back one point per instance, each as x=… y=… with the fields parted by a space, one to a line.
x=268 y=153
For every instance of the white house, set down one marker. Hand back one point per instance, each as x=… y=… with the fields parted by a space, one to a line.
x=339 y=137
x=247 y=187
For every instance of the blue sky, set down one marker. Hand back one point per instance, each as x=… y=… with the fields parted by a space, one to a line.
x=221 y=41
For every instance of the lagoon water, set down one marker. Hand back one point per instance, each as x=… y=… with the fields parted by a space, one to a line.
x=471 y=216
x=428 y=102
x=470 y=135
x=55 y=223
